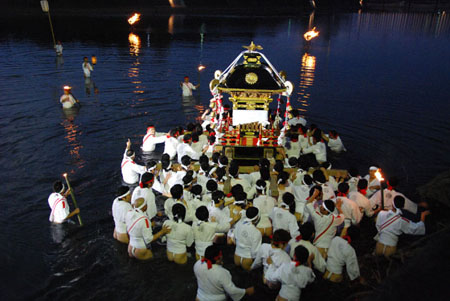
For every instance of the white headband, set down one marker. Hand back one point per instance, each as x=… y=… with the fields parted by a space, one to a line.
x=324 y=206
x=151 y=168
x=253 y=218
x=124 y=195
x=62 y=189
x=143 y=205
x=260 y=188
x=212 y=170
x=184 y=166
x=220 y=164
x=280 y=180
x=170 y=165
x=373 y=168
x=240 y=202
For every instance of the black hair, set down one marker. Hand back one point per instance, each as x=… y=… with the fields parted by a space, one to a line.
x=280 y=236
x=399 y=201
x=147 y=176
x=362 y=184
x=261 y=183
x=130 y=153
x=212 y=252
x=215 y=157
x=187 y=137
x=211 y=185
x=203 y=158
x=178 y=212
x=217 y=196
x=289 y=199
x=333 y=132
x=265 y=173
x=165 y=164
x=343 y=187
x=220 y=173
x=278 y=167
x=196 y=189
x=186 y=160
x=202 y=213
x=301 y=254
x=195 y=137
x=319 y=177
x=151 y=164
x=187 y=180
x=223 y=160
x=176 y=191
x=353 y=172
x=330 y=205
x=307 y=230
x=211 y=139
x=353 y=232
x=283 y=176
x=318 y=187
x=233 y=171
x=251 y=212
x=236 y=189
x=205 y=166
x=264 y=162
x=241 y=196
x=57 y=186
x=165 y=157
x=190 y=127
x=293 y=161
x=308 y=180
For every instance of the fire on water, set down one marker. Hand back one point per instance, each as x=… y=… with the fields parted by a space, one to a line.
x=309 y=35
x=136 y=17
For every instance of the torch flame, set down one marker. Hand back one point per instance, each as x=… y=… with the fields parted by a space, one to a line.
x=136 y=17
x=309 y=35
x=379 y=176
x=201 y=67
x=65 y=175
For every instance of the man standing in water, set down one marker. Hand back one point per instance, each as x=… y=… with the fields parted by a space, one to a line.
x=67 y=100
x=187 y=87
x=58 y=204
x=59 y=48
x=87 y=67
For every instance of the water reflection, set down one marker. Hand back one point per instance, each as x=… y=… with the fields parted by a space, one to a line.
x=306 y=80
x=135 y=43
x=72 y=133
x=89 y=85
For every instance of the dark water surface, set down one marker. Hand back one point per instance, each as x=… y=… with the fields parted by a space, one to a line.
x=380 y=79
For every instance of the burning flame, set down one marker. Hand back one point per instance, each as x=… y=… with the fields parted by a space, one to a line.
x=379 y=176
x=309 y=35
x=65 y=175
x=136 y=17
x=201 y=67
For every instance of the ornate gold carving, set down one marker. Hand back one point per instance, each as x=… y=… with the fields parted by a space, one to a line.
x=253 y=47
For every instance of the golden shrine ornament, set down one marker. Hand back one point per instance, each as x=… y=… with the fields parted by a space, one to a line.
x=251 y=78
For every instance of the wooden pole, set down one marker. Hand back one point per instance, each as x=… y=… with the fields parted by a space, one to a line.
x=73 y=198
x=51 y=29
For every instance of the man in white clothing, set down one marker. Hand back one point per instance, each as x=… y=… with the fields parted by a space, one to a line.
x=359 y=197
x=140 y=231
x=294 y=275
x=87 y=67
x=325 y=222
x=60 y=211
x=334 y=142
x=144 y=190
x=187 y=87
x=391 y=224
x=59 y=49
x=340 y=254
x=296 y=118
x=121 y=206
x=318 y=148
x=67 y=100
x=185 y=149
x=151 y=139
x=171 y=143
x=248 y=239
x=130 y=170
x=214 y=282
x=304 y=239
x=389 y=194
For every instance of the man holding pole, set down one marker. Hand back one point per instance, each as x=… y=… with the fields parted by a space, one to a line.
x=58 y=204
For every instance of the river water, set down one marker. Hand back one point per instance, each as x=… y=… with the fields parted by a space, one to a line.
x=380 y=79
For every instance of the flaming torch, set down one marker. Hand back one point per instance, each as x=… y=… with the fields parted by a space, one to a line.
x=200 y=68
x=134 y=18
x=380 y=178
x=309 y=35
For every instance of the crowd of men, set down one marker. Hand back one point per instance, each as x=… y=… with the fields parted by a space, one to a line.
x=309 y=218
